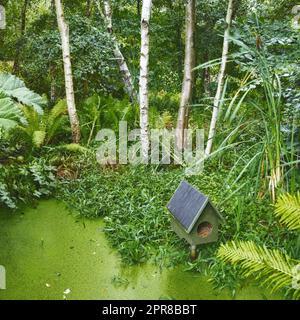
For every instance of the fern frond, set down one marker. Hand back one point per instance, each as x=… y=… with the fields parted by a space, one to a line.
x=54 y=119
x=38 y=138
x=287 y=209
x=273 y=266
x=31 y=120
x=57 y=111
x=164 y=121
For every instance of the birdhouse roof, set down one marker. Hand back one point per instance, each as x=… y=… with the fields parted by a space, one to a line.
x=187 y=205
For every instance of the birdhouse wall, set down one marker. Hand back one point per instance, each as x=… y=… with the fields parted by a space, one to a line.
x=193 y=238
x=208 y=216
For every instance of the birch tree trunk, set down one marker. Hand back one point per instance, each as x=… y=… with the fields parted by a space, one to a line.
x=65 y=40
x=126 y=75
x=144 y=64
x=221 y=77
x=187 y=85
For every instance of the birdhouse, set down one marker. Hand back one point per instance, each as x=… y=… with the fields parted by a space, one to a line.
x=194 y=218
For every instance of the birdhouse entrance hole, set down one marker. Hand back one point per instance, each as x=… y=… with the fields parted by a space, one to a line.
x=204 y=229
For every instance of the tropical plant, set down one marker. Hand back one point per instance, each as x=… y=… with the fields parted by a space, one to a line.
x=14 y=93
x=265 y=156
x=287 y=209
x=105 y=112
x=276 y=268
x=23 y=184
x=41 y=129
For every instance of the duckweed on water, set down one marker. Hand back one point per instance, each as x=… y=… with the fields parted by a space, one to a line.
x=50 y=254
x=133 y=203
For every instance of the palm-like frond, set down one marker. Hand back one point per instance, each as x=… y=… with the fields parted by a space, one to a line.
x=54 y=119
x=287 y=209
x=275 y=267
x=42 y=128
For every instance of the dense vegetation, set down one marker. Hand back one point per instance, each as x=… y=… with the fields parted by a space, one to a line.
x=252 y=171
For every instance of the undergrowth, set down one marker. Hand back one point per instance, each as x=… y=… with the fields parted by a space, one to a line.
x=133 y=202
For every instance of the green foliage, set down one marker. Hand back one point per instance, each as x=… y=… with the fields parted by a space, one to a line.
x=133 y=202
x=273 y=266
x=42 y=129
x=15 y=88
x=10 y=113
x=12 y=93
x=74 y=147
x=25 y=183
x=93 y=64
x=261 y=154
x=287 y=209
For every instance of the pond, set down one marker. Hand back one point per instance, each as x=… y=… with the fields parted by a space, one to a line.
x=50 y=254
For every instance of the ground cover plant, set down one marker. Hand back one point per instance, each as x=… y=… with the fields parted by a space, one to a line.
x=228 y=67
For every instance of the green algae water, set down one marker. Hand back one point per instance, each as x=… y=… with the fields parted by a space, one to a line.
x=50 y=254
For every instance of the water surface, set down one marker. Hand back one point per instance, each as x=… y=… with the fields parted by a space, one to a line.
x=50 y=254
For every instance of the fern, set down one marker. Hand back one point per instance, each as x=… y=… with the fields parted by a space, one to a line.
x=54 y=120
x=287 y=209
x=42 y=128
x=38 y=138
x=164 y=120
x=274 y=267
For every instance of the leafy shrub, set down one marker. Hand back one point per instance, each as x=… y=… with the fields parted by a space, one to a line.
x=133 y=201
x=42 y=129
x=25 y=183
x=12 y=93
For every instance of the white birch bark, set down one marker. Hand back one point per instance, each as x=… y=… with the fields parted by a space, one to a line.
x=126 y=75
x=221 y=77
x=187 y=84
x=144 y=63
x=65 y=41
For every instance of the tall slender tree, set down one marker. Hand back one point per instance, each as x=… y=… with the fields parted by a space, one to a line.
x=187 y=84
x=126 y=75
x=221 y=79
x=144 y=65
x=65 y=41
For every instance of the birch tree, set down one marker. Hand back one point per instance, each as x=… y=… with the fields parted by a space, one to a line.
x=144 y=64
x=126 y=75
x=221 y=78
x=187 y=84
x=65 y=41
